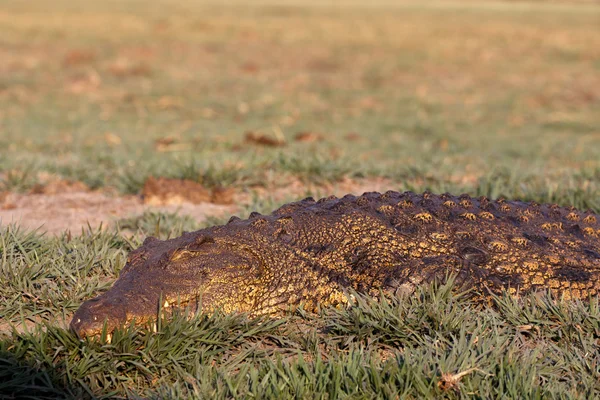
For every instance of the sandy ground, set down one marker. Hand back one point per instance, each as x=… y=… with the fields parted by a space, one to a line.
x=71 y=207
x=61 y=212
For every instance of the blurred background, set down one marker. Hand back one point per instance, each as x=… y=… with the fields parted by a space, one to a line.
x=122 y=119
x=110 y=108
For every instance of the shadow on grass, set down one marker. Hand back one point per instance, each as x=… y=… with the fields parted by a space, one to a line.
x=20 y=379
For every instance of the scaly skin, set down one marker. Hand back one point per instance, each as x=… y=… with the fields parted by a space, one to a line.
x=312 y=252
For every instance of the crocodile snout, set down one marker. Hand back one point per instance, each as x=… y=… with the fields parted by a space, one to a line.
x=90 y=318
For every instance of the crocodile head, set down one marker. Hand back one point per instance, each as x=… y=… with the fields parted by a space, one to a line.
x=195 y=269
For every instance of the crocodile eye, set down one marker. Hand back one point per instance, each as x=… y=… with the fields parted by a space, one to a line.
x=199 y=242
x=182 y=254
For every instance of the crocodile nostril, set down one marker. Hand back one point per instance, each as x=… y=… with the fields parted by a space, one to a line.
x=94 y=314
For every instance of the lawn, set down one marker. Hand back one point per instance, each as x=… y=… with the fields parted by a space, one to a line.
x=274 y=101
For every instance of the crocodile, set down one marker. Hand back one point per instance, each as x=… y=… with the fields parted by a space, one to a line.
x=316 y=252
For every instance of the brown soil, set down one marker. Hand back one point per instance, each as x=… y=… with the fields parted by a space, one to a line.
x=261 y=139
x=60 y=207
x=59 y=212
x=164 y=191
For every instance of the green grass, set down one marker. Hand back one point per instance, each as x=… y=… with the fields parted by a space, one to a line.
x=488 y=98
